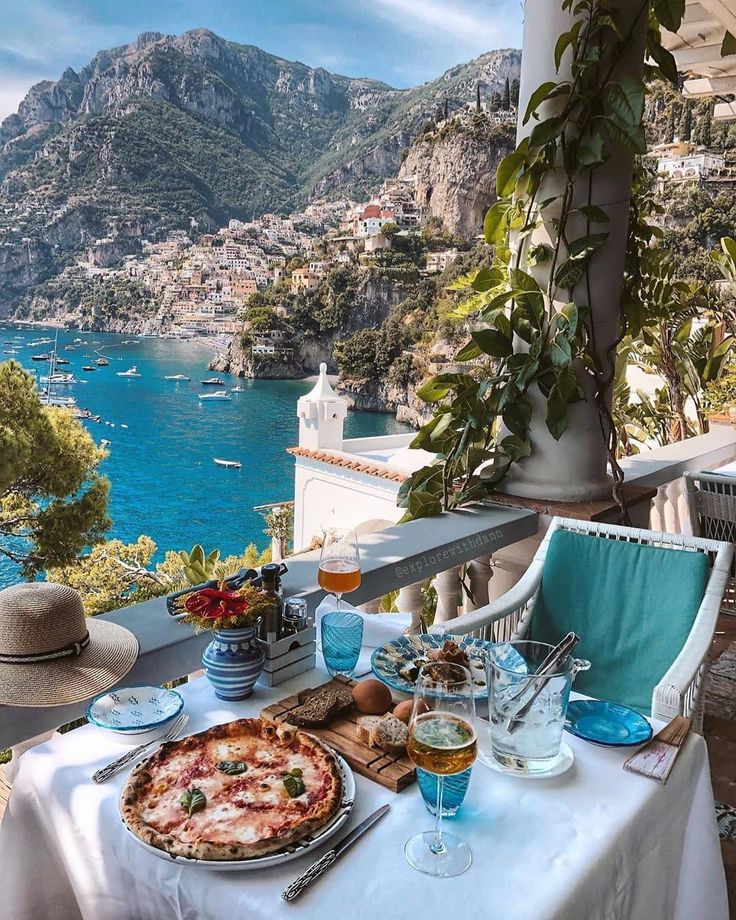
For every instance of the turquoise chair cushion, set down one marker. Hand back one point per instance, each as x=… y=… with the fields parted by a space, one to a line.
x=632 y=605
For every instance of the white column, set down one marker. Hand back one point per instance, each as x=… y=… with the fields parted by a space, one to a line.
x=447 y=585
x=575 y=468
x=409 y=600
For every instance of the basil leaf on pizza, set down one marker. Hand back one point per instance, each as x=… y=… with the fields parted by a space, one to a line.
x=232 y=767
x=193 y=800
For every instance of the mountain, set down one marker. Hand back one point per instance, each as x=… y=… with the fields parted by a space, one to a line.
x=173 y=129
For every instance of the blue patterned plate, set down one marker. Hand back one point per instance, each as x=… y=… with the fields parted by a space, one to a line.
x=407 y=653
x=130 y=710
x=607 y=724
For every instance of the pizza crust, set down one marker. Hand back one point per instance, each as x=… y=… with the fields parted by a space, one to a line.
x=150 y=797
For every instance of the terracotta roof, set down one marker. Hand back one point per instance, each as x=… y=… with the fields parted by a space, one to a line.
x=370 y=469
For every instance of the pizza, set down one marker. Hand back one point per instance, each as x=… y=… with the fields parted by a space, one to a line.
x=235 y=791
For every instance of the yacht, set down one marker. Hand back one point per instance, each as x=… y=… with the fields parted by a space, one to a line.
x=40 y=357
x=177 y=377
x=62 y=361
x=238 y=390
x=88 y=367
x=102 y=362
x=218 y=394
x=131 y=372
x=61 y=402
x=213 y=382
x=230 y=464
x=58 y=378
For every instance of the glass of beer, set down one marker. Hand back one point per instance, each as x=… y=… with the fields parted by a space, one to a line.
x=339 y=562
x=442 y=741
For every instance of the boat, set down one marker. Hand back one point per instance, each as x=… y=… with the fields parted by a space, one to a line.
x=177 y=377
x=62 y=361
x=131 y=372
x=58 y=378
x=104 y=442
x=102 y=362
x=40 y=357
x=218 y=394
x=230 y=464
x=88 y=367
x=213 y=382
x=11 y=351
x=238 y=390
x=62 y=402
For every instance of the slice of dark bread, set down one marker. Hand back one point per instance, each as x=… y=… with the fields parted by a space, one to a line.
x=320 y=705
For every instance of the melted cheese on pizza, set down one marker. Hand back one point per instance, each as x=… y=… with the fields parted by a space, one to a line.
x=241 y=809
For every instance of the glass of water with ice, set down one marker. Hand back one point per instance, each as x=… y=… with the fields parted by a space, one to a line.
x=527 y=713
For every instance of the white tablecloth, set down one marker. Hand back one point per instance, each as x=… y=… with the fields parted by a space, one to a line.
x=593 y=843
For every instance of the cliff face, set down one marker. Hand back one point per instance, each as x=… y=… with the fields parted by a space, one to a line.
x=455 y=168
x=383 y=396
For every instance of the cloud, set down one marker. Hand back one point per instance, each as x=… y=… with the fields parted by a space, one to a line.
x=443 y=21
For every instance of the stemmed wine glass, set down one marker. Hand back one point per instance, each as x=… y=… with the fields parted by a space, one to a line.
x=339 y=562
x=442 y=740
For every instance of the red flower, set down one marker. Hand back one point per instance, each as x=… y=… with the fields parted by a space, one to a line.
x=212 y=603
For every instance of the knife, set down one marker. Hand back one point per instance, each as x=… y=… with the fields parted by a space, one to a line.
x=331 y=856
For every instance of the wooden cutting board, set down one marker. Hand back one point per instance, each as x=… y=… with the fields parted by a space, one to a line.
x=395 y=773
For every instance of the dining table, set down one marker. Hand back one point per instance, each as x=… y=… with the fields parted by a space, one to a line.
x=594 y=842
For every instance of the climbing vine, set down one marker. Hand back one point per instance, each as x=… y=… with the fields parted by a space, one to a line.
x=532 y=310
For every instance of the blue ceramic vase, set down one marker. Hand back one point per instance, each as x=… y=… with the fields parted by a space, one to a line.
x=233 y=661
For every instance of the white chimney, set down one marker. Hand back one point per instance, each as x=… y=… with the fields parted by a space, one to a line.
x=321 y=415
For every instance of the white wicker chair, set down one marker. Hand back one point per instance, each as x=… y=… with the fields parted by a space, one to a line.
x=678 y=692
x=711 y=502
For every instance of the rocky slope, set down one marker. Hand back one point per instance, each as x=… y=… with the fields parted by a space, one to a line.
x=170 y=129
x=455 y=168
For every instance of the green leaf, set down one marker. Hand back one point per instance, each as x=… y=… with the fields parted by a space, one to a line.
x=625 y=108
x=507 y=173
x=232 y=767
x=590 y=150
x=515 y=447
x=729 y=45
x=493 y=343
x=197 y=554
x=559 y=350
x=556 y=414
x=486 y=279
x=443 y=423
x=422 y=504
x=468 y=352
x=193 y=800
x=570 y=272
x=568 y=318
x=665 y=60
x=669 y=13
x=433 y=391
x=594 y=213
x=564 y=41
x=587 y=244
x=494 y=224
x=517 y=416
x=537 y=98
x=547 y=131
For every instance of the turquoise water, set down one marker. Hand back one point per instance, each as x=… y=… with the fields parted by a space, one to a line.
x=163 y=479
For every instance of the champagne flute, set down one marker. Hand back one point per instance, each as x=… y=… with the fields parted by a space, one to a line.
x=442 y=740
x=339 y=562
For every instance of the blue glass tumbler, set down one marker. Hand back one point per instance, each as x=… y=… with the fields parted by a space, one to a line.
x=342 y=637
x=453 y=792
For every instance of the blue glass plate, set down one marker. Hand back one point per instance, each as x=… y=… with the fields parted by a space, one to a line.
x=607 y=724
x=402 y=653
x=130 y=710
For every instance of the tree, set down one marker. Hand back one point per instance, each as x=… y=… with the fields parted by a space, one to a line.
x=496 y=101
x=515 y=92
x=477 y=96
x=669 y=132
x=686 y=123
x=53 y=502
x=447 y=109
x=390 y=228
x=706 y=128
x=506 y=99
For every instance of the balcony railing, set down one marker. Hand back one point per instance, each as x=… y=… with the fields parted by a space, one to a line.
x=399 y=557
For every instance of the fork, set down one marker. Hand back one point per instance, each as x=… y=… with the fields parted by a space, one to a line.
x=173 y=731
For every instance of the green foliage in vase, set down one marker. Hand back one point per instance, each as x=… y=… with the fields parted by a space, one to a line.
x=53 y=501
x=531 y=309
x=197 y=565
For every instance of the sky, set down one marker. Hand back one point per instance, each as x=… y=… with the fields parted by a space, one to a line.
x=403 y=42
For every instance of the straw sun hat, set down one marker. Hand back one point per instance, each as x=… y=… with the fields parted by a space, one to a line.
x=51 y=653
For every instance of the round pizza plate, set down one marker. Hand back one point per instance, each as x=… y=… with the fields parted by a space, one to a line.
x=293 y=851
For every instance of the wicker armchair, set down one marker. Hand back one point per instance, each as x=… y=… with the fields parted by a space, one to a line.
x=678 y=691
x=711 y=503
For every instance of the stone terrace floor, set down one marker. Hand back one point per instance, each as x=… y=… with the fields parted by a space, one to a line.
x=720 y=735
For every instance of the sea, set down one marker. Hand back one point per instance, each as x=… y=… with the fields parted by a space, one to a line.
x=163 y=439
